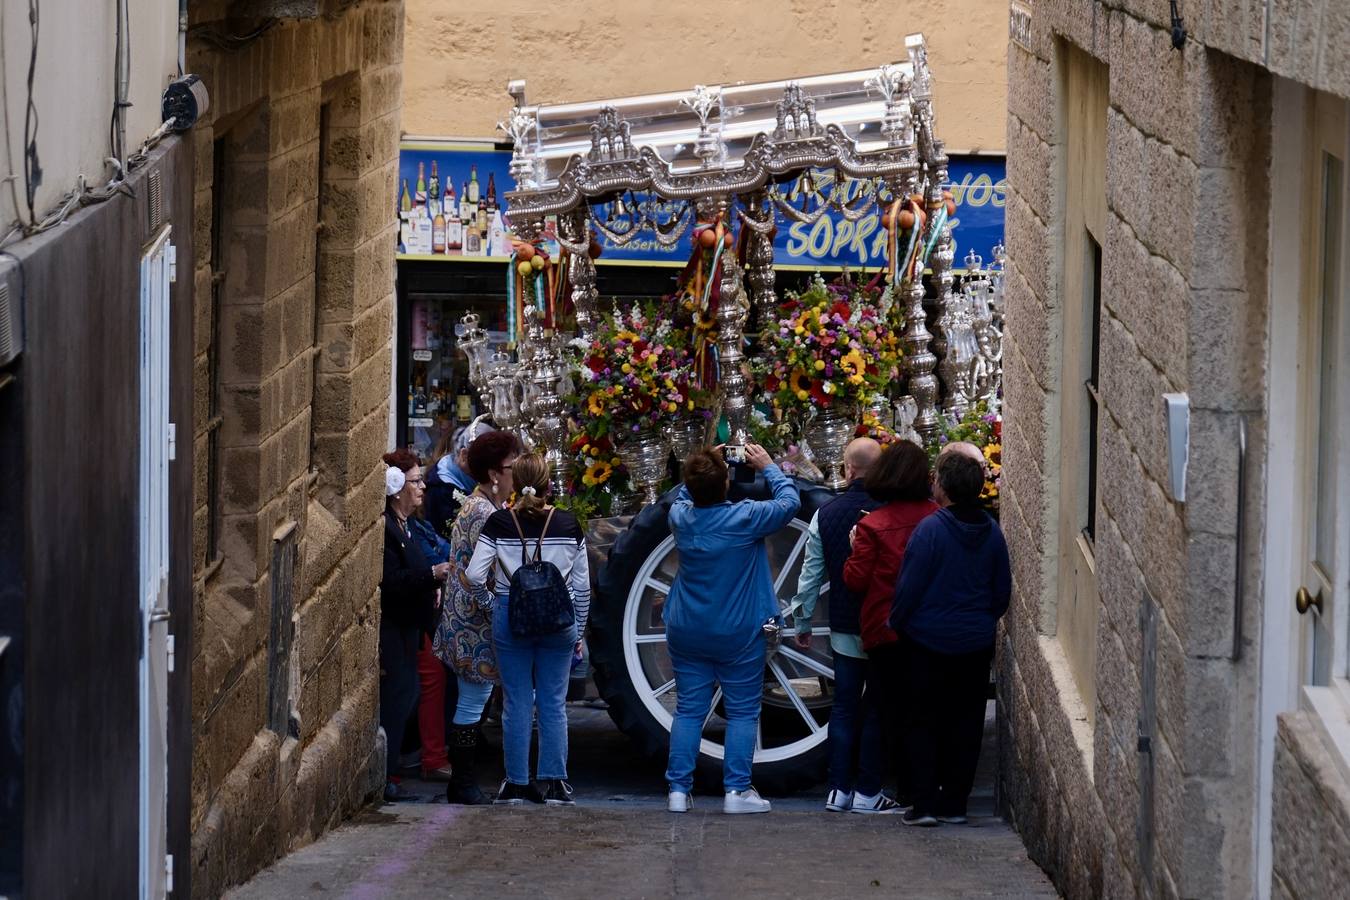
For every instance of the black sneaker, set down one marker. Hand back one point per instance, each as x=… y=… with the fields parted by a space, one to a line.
x=397 y=793
x=516 y=794
x=558 y=793
x=922 y=819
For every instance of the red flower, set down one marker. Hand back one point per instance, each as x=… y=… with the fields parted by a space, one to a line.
x=841 y=309
x=860 y=431
x=818 y=392
x=771 y=383
x=595 y=364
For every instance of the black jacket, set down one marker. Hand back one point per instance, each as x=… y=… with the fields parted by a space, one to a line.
x=407 y=587
x=440 y=506
x=836 y=519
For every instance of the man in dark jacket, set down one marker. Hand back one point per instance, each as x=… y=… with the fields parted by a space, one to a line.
x=954 y=586
x=855 y=726
x=449 y=475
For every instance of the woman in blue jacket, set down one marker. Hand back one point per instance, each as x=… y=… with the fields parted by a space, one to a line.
x=715 y=617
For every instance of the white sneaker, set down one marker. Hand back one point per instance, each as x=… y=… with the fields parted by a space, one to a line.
x=839 y=801
x=747 y=801
x=952 y=820
x=679 y=802
x=880 y=805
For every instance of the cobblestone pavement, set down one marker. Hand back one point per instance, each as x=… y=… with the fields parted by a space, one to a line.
x=620 y=842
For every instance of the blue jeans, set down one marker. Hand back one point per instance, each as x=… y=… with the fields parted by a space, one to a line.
x=742 y=683
x=855 y=729
x=472 y=700
x=534 y=674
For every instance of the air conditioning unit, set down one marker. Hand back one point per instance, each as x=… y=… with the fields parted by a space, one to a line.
x=11 y=317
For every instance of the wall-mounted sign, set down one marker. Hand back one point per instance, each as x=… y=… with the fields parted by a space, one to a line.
x=451 y=208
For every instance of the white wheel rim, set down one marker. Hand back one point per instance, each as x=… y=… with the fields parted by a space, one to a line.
x=792 y=671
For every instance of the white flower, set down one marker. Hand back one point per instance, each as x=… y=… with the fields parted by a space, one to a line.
x=460 y=497
x=579 y=344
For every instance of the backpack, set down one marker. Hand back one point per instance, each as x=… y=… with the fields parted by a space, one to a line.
x=539 y=602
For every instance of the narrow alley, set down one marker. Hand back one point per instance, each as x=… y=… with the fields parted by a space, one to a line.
x=620 y=842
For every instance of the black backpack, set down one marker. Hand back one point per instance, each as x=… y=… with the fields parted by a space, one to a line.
x=539 y=602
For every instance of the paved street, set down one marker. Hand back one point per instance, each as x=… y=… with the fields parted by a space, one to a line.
x=620 y=842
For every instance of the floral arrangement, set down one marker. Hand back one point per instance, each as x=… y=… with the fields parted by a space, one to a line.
x=871 y=426
x=831 y=346
x=635 y=376
x=984 y=429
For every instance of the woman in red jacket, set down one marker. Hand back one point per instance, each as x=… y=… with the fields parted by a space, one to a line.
x=899 y=479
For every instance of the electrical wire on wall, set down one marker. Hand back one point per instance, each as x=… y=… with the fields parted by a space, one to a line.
x=121 y=163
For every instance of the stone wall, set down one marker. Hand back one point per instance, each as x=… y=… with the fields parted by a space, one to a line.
x=461 y=54
x=1183 y=309
x=295 y=349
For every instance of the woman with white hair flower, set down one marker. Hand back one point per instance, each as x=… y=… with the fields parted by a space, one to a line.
x=408 y=588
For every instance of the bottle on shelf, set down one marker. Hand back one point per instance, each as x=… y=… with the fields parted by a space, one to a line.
x=420 y=197
x=434 y=191
x=484 y=223
x=454 y=230
x=405 y=203
x=438 y=233
x=465 y=208
x=473 y=184
x=492 y=192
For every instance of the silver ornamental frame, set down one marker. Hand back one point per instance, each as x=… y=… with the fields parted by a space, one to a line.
x=725 y=148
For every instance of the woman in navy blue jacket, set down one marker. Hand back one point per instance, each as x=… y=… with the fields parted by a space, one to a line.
x=954 y=586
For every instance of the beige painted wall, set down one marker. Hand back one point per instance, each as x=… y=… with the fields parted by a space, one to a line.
x=459 y=56
x=73 y=88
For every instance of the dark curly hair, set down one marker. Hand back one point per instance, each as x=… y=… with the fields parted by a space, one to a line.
x=489 y=451
x=900 y=473
x=403 y=458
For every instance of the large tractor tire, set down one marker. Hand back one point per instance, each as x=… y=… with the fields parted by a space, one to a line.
x=632 y=664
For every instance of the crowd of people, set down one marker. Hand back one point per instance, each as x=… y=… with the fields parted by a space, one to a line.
x=486 y=585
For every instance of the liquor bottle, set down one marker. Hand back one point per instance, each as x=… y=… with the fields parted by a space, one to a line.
x=420 y=198
x=484 y=223
x=492 y=192
x=438 y=233
x=465 y=210
x=405 y=201
x=453 y=230
x=434 y=189
x=473 y=184
x=473 y=243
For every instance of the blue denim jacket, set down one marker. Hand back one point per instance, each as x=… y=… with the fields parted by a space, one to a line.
x=723 y=593
x=434 y=547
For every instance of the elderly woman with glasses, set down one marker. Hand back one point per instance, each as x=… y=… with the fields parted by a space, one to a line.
x=408 y=607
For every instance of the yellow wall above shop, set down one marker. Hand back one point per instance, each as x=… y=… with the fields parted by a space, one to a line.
x=458 y=56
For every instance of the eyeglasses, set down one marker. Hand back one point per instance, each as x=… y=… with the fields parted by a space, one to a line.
x=420 y=482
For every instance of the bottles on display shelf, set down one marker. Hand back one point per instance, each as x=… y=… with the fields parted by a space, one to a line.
x=473 y=185
x=454 y=231
x=434 y=191
x=465 y=208
x=420 y=197
x=492 y=192
x=405 y=203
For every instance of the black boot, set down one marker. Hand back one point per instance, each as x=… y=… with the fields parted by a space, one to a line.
x=462 y=749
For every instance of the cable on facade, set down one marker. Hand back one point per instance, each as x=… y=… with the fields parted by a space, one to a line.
x=32 y=169
x=231 y=42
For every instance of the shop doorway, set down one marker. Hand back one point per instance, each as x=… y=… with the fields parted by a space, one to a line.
x=1307 y=553
x=156 y=449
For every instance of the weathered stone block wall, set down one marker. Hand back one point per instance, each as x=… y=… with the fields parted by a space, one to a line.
x=307 y=119
x=1183 y=309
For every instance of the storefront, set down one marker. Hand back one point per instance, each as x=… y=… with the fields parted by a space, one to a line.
x=453 y=253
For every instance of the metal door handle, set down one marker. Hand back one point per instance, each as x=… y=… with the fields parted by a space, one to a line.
x=1304 y=601
x=161 y=614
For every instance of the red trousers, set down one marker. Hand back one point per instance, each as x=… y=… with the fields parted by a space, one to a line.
x=431 y=707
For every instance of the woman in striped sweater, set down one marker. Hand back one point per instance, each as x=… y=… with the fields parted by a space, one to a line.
x=534 y=671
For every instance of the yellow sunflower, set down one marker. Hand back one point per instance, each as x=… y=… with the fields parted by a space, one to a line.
x=595 y=404
x=598 y=473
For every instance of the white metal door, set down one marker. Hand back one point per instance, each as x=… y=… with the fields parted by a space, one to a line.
x=157 y=272
x=1307 y=552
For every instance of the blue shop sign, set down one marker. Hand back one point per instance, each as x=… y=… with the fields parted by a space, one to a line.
x=466 y=184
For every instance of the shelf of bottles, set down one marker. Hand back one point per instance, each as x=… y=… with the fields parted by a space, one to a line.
x=440 y=398
x=436 y=219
